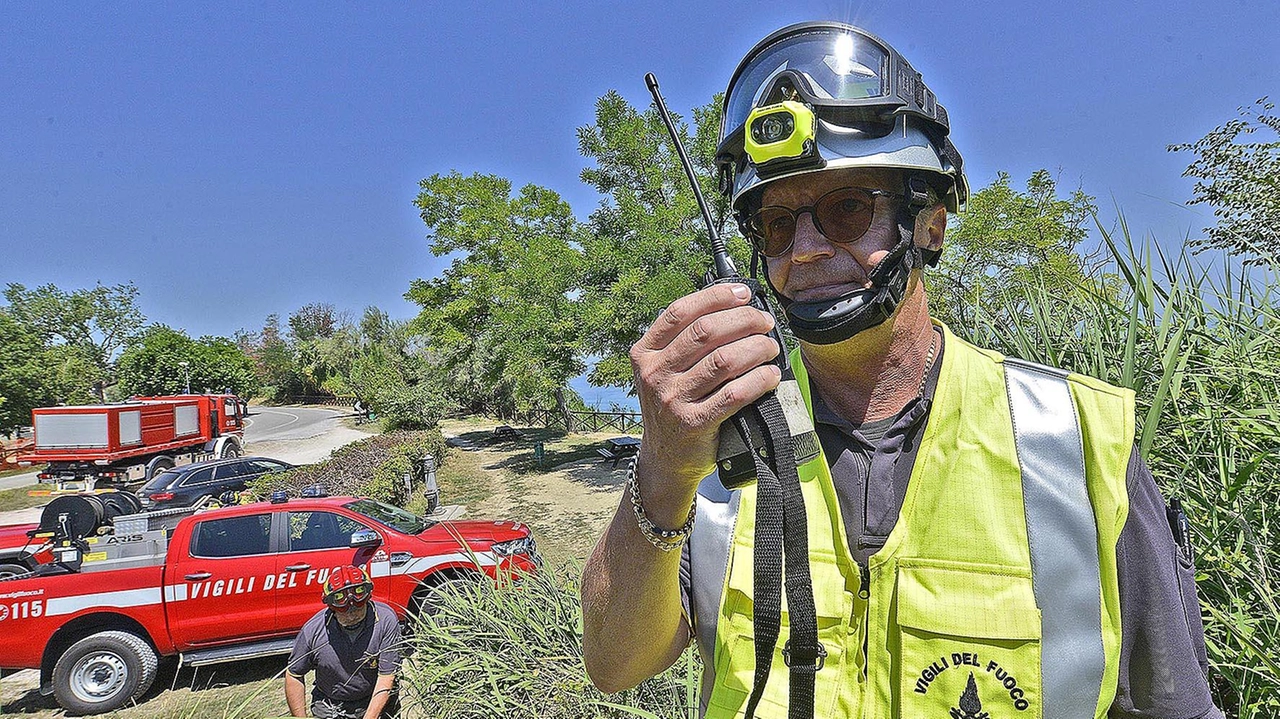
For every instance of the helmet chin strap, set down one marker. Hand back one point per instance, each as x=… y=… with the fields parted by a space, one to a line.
x=829 y=321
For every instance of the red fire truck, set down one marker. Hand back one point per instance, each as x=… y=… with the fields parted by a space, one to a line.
x=222 y=585
x=133 y=441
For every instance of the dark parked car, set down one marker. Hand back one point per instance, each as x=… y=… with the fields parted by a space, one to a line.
x=183 y=486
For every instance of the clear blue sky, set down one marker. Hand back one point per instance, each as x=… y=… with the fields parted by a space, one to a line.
x=238 y=160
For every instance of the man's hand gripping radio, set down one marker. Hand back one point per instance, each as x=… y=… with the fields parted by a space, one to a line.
x=745 y=431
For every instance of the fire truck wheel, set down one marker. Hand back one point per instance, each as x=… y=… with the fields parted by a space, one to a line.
x=104 y=671
x=230 y=450
x=9 y=569
x=158 y=465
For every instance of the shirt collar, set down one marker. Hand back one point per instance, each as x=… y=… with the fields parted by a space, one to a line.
x=907 y=418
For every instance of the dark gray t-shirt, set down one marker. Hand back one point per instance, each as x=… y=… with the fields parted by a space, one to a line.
x=347 y=663
x=1163 y=666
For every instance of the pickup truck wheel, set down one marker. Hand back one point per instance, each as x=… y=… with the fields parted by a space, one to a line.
x=9 y=569
x=104 y=671
x=429 y=599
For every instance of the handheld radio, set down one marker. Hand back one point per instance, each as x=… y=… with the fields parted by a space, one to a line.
x=734 y=462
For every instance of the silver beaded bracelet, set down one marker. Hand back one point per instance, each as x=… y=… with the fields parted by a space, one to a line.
x=668 y=540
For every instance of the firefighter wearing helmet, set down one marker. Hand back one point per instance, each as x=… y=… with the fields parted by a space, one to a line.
x=354 y=647
x=982 y=537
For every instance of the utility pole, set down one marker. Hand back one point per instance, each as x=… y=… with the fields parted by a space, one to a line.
x=186 y=370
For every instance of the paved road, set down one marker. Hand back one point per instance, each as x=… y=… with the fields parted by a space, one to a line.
x=269 y=431
x=274 y=424
x=18 y=480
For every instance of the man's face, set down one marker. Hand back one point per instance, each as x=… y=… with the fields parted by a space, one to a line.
x=817 y=268
x=352 y=615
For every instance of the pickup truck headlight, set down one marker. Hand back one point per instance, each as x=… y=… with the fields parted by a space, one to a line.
x=523 y=545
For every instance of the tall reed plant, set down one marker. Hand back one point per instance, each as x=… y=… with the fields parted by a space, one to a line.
x=1199 y=343
x=514 y=650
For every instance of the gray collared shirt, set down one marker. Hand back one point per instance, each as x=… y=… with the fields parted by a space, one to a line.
x=347 y=663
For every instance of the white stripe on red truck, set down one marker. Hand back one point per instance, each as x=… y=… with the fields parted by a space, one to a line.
x=419 y=565
x=180 y=592
x=123 y=598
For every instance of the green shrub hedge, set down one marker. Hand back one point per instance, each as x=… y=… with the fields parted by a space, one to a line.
x=372 y=467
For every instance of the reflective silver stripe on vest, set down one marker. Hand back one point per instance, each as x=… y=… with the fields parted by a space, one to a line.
x=713 y=528
x=1062 y=535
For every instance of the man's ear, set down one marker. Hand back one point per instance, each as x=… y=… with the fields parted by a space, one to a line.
x=931 y=227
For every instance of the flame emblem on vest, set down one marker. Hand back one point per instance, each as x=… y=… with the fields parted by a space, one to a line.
x=970 y=704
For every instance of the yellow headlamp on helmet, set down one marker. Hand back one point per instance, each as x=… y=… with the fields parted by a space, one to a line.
x=784 y=131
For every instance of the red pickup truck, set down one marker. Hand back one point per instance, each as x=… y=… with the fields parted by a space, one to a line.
x=225 y=584
x=16 y=550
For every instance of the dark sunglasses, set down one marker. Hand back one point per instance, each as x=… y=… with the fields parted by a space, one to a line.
x=842 y=215
x=345 y=598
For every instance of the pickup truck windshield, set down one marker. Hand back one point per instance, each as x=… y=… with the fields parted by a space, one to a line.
x=393 y=517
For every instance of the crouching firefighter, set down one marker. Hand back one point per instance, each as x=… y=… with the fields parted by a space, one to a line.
x=354 y=647
x=980 y=537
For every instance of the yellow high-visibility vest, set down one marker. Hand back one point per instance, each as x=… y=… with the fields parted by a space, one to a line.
x=995 y=595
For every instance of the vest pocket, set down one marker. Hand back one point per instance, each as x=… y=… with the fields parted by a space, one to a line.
x=735 y=661
x=969 y=641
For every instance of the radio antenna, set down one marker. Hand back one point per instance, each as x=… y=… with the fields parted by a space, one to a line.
x=724 y=264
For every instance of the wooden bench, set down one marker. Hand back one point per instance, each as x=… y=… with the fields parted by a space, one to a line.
x=610 y=457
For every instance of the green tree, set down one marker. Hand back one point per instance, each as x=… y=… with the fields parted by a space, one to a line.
x=153 y=365
x=97 y=322
x=33 y=375
x=1240 y=180
x=647 y=245
x=22 y=374
x=509 y=303
x=224 y=367
x=388 y=373
x=56 y=346
x=278 y=372
x=1007 y=247
x=314 y=321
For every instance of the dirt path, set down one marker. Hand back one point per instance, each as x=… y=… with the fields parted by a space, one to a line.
x=567 y=504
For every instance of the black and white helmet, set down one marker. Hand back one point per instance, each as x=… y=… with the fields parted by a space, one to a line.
x=867 y=106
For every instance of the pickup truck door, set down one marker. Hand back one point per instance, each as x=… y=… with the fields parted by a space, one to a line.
x=317 y=542
x=220 y=587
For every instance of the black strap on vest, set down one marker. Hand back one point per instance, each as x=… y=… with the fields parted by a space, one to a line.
x=781 y=534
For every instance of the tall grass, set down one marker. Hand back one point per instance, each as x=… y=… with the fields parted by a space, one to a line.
x=1200 y=345
x=514 y=650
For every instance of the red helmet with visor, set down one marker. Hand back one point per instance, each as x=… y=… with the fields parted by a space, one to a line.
x=346 y=587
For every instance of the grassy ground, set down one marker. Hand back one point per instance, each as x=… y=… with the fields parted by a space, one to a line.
x=17 y=498
x=566 y=501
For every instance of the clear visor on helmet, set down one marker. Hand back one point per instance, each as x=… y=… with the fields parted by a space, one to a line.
x=836 y=64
